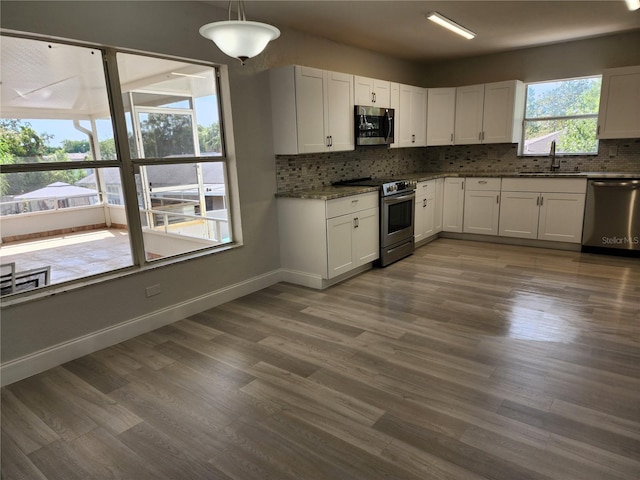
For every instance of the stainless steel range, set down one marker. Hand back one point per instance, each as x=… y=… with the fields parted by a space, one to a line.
x=397 y=199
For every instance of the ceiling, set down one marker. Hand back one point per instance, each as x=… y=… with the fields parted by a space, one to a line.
x=400 y=29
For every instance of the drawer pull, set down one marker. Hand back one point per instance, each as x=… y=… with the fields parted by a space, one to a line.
x=482 y=182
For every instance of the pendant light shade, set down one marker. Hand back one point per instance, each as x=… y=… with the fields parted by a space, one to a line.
x=240 y=38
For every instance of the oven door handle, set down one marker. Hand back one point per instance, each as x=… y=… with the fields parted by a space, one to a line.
x=401 y=198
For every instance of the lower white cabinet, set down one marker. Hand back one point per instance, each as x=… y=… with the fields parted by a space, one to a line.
x=481 y=206
x=543 y=209
x=437 y=221
x=352 y=240
x=425 y=210
x=323 y=239
x=453 y=204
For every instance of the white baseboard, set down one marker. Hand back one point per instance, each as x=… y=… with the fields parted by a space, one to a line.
x=303 y=278
x=316 y=281
x=37 y=362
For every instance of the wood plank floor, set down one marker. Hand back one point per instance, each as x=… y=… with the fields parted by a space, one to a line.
x=465 y=361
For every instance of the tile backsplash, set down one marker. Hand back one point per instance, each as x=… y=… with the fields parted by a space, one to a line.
x=301 y=172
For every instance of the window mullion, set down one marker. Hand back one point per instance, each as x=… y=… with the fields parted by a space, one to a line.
x=118 y=116
x=565 y=117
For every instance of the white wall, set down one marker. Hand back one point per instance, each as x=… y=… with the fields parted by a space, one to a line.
x=551 y=62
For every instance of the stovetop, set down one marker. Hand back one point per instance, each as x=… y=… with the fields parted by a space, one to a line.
x=388 y=186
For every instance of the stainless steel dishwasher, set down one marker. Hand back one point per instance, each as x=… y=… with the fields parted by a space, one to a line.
x=612 y=217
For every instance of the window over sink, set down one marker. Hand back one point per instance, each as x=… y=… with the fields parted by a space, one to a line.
x=562 y=111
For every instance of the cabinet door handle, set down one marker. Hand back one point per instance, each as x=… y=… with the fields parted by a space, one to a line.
x=424 y=202
x=462 y=185
x=538 y=201
x=480 y=136
x=598 y=130
x=452 y=138
x=356 y=222
x=413 y=138
x=541 y=200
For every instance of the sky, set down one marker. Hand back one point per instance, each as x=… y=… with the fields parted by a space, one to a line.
x=206 y=112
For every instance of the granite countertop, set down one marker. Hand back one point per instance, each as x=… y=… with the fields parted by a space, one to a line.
x=330 y=192
x=423 y=176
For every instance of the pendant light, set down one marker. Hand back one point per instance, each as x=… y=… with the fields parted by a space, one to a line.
x=240 y=38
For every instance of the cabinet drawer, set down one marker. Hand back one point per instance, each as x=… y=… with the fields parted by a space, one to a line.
x=548 y=185
x=426 y=187
x=483 y=183
x=351 y=204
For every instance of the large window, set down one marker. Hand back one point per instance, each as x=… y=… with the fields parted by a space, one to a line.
x=564 y=112
x=89 y=180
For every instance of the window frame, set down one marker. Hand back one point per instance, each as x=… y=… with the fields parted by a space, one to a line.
x=128 y=166
x=526 y=119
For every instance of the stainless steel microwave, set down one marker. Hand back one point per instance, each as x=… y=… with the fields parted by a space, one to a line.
x=374 y=125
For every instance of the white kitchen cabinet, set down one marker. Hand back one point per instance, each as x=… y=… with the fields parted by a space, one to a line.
x=395 y=104
x=481 y=206
x=372 y=92
x=437 y=219
x=352 y=241
x=519 y=214
x=453 y=204
x=441 y=107
x=312 y=110
x=489 y=113
x=468 y=115
x=411 y=121
x=619 y=115
x=425 y=210
x=543 y=209
x=321 y=240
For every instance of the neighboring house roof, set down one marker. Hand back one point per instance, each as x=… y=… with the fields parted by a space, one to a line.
x=541 y=145
x=164 y=175
x=57 y=190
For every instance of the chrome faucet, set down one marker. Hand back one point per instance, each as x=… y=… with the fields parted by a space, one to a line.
x=555 y=161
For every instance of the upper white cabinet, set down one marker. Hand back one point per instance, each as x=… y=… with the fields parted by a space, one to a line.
x=468 y=119
x=395 y=104
x=312 y=110
x=372 y=92
x=411 y=122
x=489 y=113
x=619 y=115
x=441 y=108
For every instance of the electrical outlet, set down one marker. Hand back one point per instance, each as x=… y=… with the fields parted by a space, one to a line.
x=153 y=290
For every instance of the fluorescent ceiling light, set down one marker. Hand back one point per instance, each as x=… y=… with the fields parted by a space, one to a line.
x=450 y=25
x=633 y=4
